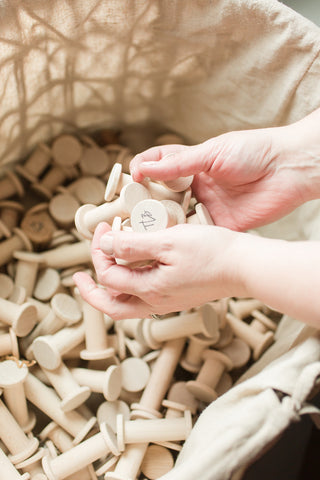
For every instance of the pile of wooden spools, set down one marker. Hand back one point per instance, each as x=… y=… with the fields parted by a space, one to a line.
x=84 y=397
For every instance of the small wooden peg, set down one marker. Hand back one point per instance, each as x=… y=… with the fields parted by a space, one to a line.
x=62 y=208
x=46 y=400
x=21 y=318
x=48 y=284
x=88 y=189
x=18 y=241
x=88 y=216
x=26 y=270
x=6 y=285
x=10 y=185
x=18 y=443
x=82 y=455
x=107 y=382
x=259 y=342
x=201 y=216
x=9 y=344
x=67 y=150
x=12 y=377
x=10 y=213
x=262 y=322
x=192 y=359
x=243 y=308
x=36 y=164
x=8 y=471
x=68 y=255
x=238 y=351
x=152 y=215
x=215 y=363
x=56 y=176
x=94 y=161
x=38 y=226
x=107 y=412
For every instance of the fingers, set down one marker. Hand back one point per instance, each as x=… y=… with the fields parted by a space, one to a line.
x=123 y=306
x=153 y=154
x=135 y=246
x=172 y=162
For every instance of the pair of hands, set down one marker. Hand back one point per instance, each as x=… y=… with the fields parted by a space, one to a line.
x=245 y=179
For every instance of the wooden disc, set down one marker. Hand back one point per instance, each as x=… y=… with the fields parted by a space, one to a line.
x=149 y=216
x=112 y=385
x=179 y=393
x=89 y=190
x=113 y=182
x=66 y=150
x=107 y=412
x=12 y=373
x=94 y=161
x=175 y=210
x=238 y=351
x=157 y=461
x=38 y=227
x=66 y=308
x=62 y=208
x=135 y=374
x=47 y=284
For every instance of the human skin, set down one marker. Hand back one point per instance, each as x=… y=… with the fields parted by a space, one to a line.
x=245 y=179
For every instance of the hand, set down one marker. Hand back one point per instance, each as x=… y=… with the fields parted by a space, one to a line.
x=191 y=265
x=247 y=178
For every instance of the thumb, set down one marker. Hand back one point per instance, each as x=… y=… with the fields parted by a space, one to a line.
x=189 y=161
x=133 y=246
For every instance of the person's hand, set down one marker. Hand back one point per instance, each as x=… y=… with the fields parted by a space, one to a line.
x=191 y=265
x=246 y=178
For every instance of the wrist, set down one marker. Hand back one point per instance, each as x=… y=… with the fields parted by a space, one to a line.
x=297 y=150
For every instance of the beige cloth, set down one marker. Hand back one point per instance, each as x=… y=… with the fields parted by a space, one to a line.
x=199 y=68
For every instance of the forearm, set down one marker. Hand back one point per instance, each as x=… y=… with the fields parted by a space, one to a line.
x=284 y=275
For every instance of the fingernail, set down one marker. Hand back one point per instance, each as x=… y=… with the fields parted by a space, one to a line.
x=106 y=242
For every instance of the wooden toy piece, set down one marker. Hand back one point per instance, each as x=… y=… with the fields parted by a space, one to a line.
x=10 y=213
x=243 y=308
x=262 y=322
x=136 y=349
x=215 y=363
x=71 y=393
x=107 y=382
x=26 y=270
x=88 y=189
x=154 y=332
x=158 y=384
x=88 y=216
x=12 y=377
x=38 y=226
x=192 y=359
x=63 y=442
x=129 y=463
x=107 y=412
x=42 y=308
x=4 y=230
x=56 y=176
x=152 y=215
x=49 y=349
x=67 y=150
x=94 y=161
x=36 y=163
x=59 y=238
x=68 y=255
x=62 y=208
x=18 y=443
x=129 y=326
x=238 y=351
x=32 y=465
x=10 y=185
x=82 y=455
x=9 y=344
x=96 y=338
x=107 y=465
x=155 y=430
x=201 y=216
x=48 y=284
x=224 y=384
x=64 y=312
x=8 y=471
x=226 y=337
x=18 y=241
x=135 y=374
x=157 y=461
x=46 y=400
x=186 y=199
x=178 y=184
x=21 y=318
x=259 y=342
x=6 y=285
x=178 y=400
x=117 y=180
